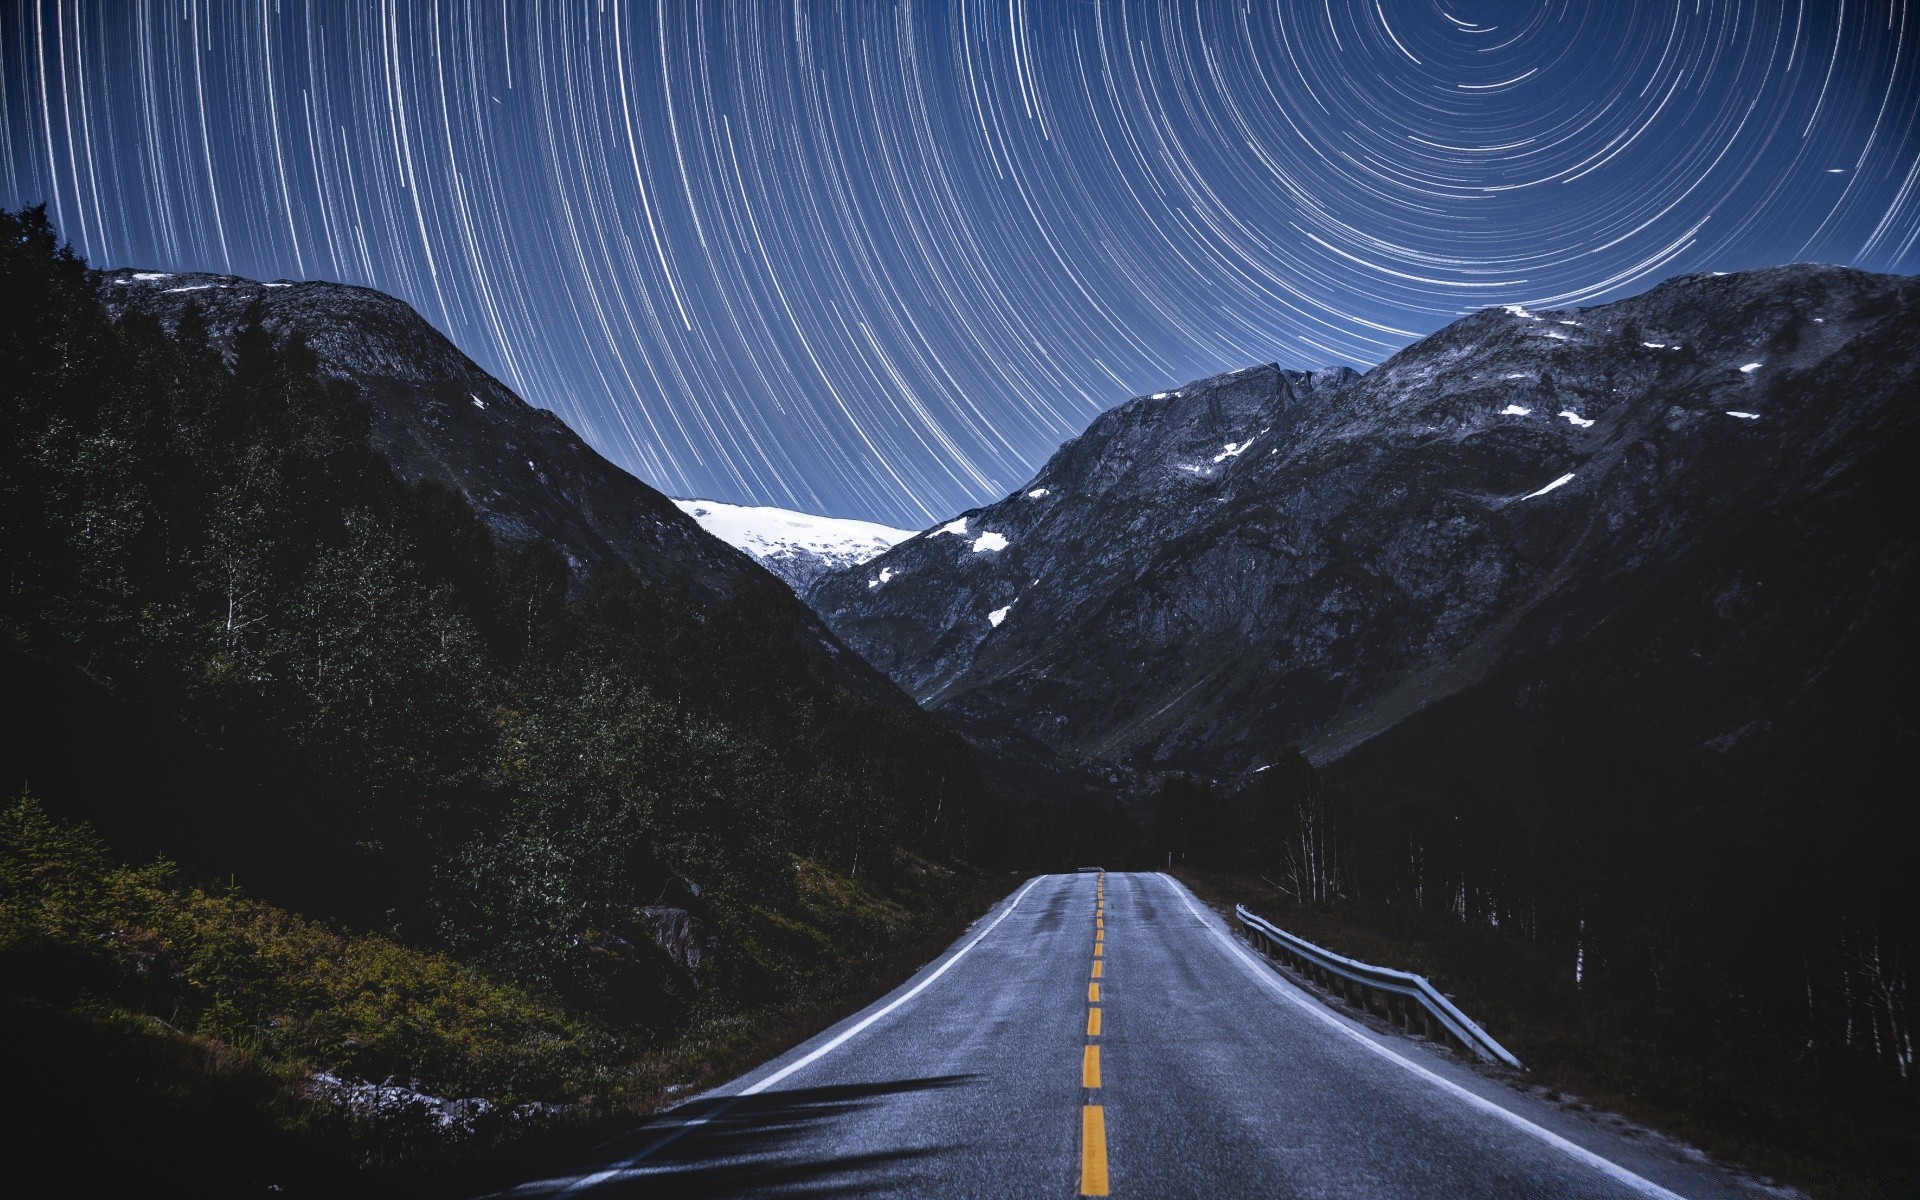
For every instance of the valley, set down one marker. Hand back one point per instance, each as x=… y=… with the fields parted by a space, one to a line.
x=1536 y=655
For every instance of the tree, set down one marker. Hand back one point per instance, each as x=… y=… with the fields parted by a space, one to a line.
x=1303 y=827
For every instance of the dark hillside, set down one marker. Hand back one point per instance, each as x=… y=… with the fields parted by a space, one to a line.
x=242 y=640
x=435 y=416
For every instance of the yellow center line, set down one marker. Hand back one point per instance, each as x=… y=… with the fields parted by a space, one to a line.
x=1093 y=1151
x=1093 y=1118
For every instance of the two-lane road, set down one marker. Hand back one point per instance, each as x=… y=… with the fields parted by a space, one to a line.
x=1107 y=1035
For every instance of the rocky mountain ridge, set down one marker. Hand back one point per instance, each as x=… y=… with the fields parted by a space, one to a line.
x=1267 y=558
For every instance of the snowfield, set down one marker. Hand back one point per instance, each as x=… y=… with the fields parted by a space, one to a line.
x=796 y=546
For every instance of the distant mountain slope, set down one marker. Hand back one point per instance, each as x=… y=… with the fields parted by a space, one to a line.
x=1265 y=558
x=940 y=611
x=438 y=415
x=798 y=547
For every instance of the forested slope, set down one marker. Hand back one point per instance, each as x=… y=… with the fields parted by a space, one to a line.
x=244 y=642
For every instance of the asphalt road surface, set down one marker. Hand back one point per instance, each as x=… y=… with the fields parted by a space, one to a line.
x=1109 y=1035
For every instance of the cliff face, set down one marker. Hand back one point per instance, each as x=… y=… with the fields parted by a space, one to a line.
x=1266 y=558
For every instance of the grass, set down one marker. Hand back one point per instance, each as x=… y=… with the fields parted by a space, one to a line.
x=166 y=1033
x=1829 y=1127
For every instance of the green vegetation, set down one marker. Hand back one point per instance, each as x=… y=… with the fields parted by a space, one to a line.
x=549 y=840
x=199 y=1019
x=270 y=985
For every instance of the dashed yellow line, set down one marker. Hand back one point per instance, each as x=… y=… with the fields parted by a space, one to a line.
x=1093 y=1151
x=1093 y=1117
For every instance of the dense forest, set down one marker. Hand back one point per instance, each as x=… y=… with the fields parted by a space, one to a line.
x=239 y=641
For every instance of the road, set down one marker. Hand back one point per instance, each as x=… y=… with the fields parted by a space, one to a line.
x=1109 y=1035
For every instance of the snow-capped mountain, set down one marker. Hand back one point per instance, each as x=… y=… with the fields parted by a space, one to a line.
x=798 y=547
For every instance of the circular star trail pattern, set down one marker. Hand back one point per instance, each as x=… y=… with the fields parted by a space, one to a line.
x=879 y=259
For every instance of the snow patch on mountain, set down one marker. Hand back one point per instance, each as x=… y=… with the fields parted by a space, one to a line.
x=798 y=547
x=1560 y=482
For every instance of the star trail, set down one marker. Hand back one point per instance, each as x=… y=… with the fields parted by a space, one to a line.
x=879 y=259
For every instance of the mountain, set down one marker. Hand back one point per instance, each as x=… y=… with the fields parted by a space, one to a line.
x=798 y=547
x=558 y=827
x=1691 y=494
x=437 y=415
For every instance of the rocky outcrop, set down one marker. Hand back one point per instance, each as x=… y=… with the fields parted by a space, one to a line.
x=684 y=938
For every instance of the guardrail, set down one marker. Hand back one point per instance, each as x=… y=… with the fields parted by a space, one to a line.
x=1404 y=999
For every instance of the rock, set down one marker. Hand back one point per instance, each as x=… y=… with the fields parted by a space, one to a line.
x=685 y=938
x=1267 y=557
x=409 y=1103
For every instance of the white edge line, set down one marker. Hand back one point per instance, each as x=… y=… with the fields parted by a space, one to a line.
x=813 y=1056
x=1268 y=976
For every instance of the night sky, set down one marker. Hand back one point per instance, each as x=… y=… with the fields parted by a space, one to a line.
x=879 y=259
